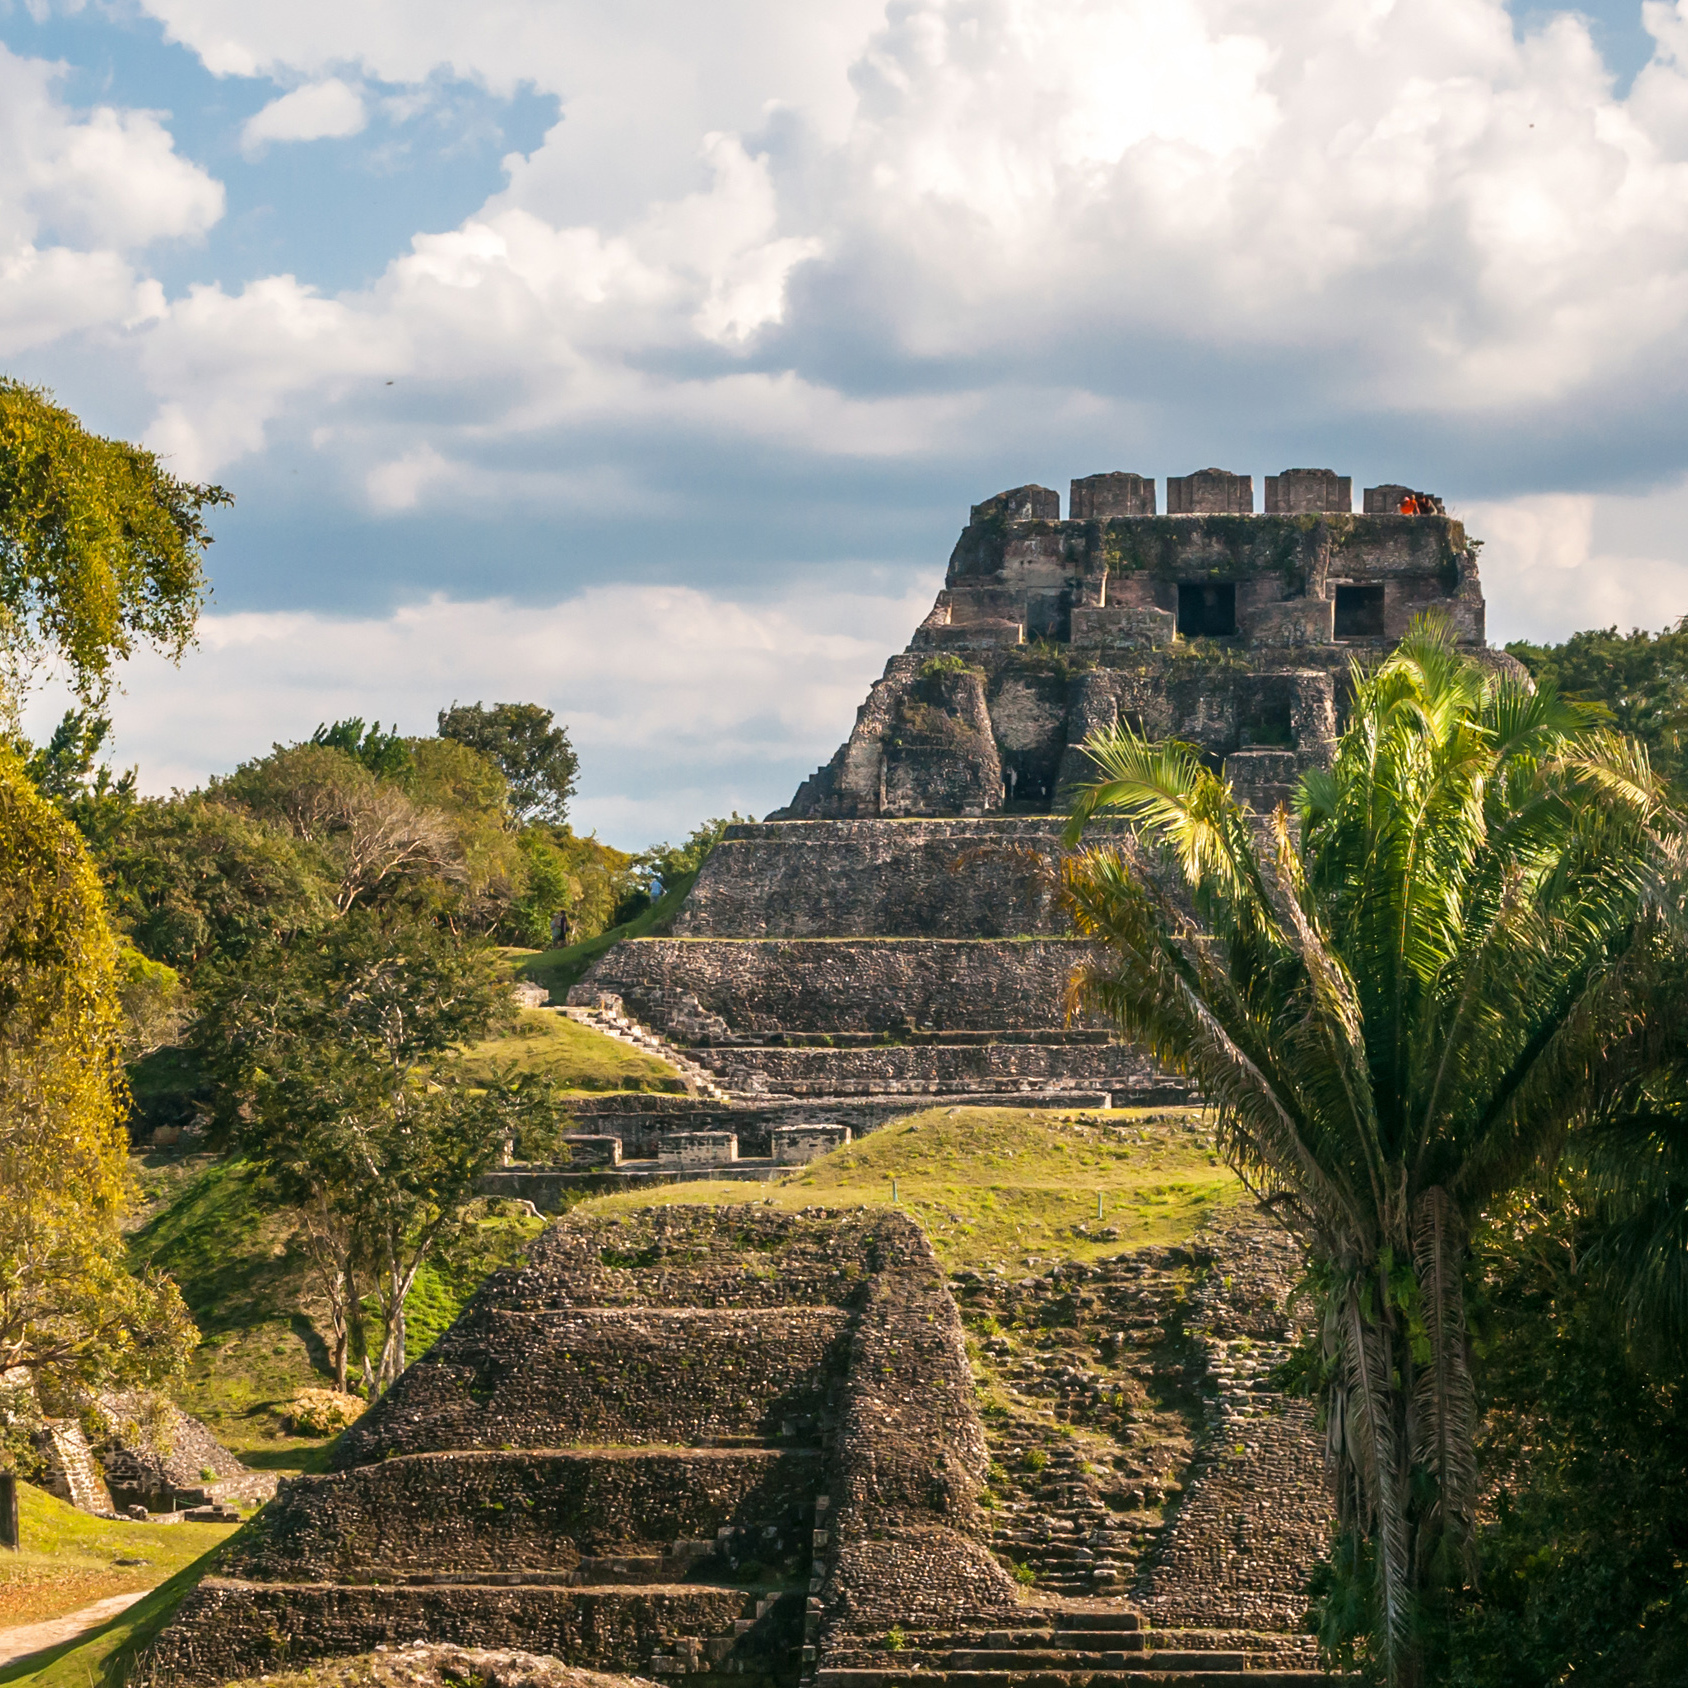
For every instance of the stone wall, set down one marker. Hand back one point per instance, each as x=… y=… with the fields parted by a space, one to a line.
x=495 y=1511
x=764 y=986
x=598 y=1375
x=226 y=1627
x=910 y=1460
x=856 y=879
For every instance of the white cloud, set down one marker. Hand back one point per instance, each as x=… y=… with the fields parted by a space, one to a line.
x=326 y=110
x=1556 y=562
x=679 y=702
x=1408 y=209
x=80 y=193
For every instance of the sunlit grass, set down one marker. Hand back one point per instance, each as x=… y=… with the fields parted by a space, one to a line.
x=69 y=1559
x=1006 y=1184
x=574 y=1056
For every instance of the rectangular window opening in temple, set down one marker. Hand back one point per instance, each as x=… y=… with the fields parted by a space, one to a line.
x=1207 y=610
x=1359 y=612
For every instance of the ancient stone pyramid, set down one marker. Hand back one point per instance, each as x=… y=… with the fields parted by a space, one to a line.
x=742 y=1446
x=881 y=942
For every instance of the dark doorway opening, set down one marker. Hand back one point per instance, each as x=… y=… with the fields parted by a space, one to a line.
x=1207 y=611
x=1359 y=612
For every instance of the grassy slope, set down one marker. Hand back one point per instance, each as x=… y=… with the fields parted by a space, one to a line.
x=577 y=1057
x=229 y=1253
x=69 y=1560
x=557 y=969
x=1010 y=1185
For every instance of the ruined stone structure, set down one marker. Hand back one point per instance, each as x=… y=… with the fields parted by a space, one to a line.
x=883 y=940
x=674 y=1442
x=721 y=1443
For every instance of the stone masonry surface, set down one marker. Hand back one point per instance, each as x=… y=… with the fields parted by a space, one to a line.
x=509 y=1491
x=846 y=985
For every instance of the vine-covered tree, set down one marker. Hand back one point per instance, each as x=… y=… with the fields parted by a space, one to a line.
x=1398 y=1003
x=100 y=549
x=71 y=1313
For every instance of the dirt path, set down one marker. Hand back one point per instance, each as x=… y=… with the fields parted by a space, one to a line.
x=19 y=1643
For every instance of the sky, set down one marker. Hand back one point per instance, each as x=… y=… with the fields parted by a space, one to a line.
x=643 y=360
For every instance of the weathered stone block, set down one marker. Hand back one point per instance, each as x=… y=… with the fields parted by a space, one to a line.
x=1096 y=497
x=591 y=1149
x=1298 y=492
x=1122 y=627
x=698 y=1148
x=1020 y=504
x=1210 y=492
x=797 y=1145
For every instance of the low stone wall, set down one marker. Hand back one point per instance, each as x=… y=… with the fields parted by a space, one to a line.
x=227 y=1628
x=497 y=1511
x=936 y=1068
x=849 y=985
x=637 y=1375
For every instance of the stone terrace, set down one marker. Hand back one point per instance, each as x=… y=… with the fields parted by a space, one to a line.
x=646 y=1450
x=836 y=969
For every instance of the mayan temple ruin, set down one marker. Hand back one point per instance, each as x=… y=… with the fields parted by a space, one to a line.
x=740 y=1442
x=879 y=939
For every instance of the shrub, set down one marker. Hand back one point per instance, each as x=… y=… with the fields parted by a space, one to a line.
x=321 y=1412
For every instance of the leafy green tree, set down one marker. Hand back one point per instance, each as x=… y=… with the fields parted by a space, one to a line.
x=385 y=755
x=1397 y=1008
x=534 y=752
x=190 y=878
x=548 y=891
x=100 y=547
x=1641 y=677
x=67 y=772
x=71 y=1314
x=1584 y=1538
x=374 y=836
x=337 y=1052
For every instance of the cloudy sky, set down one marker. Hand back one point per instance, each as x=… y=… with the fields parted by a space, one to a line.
x=643 y=358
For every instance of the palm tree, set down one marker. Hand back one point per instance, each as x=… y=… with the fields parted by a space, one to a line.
x=1397 y=1003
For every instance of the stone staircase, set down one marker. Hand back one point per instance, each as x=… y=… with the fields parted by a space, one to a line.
x=606 y=1015
x=1070 y=1647
x=1144 y=1463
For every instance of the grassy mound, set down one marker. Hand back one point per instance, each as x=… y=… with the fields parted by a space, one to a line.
x=557 y=969
x=1010 y=1185
x=576 y=1057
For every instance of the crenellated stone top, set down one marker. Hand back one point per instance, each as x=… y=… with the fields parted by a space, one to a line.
x=1231 y=630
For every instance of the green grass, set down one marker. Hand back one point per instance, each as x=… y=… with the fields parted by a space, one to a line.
x=1005 y=1185
x=577 y=1058
x=211 y=1230
x=557 y=969
x=68 y=1559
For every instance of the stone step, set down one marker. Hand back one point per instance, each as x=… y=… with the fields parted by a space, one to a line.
x=1074 y=1658
x=1193 y=1671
